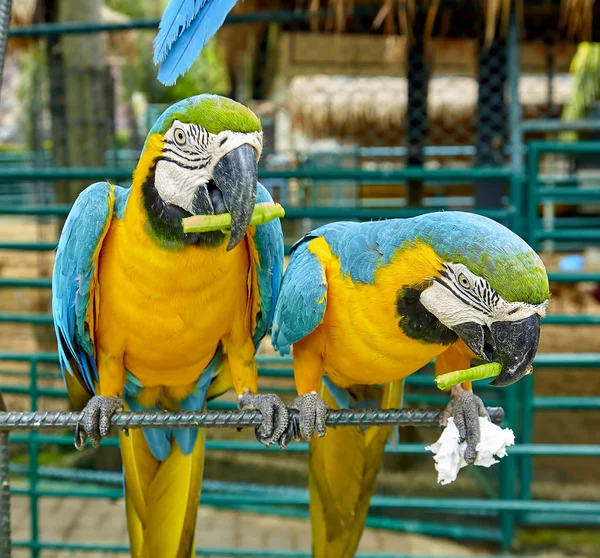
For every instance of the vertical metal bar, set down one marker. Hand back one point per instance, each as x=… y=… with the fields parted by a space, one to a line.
x=515 y=194
x=508 y=472
x=526 y=462
x=514 y=121
x=33 y=466
x=5 y=545
x=5 y=9
x=532 y=195
x=417 y=120
x=491 y=117
x=550 y=71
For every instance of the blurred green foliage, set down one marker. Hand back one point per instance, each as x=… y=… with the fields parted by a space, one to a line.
x=585 y=69
x=137 y=9
x=32 y=93
x=207 y=75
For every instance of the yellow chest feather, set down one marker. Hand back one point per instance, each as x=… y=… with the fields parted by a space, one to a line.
x=164 y=310
x=360 y=332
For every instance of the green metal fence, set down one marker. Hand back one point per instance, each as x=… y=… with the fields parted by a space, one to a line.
x=27 y=189
x=571 y=189
x=507 y=507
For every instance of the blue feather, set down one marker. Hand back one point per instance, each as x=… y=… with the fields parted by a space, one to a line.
x=177 y=18
x=159 y=439
x=268 y=240
x=301 y=305
x=186 y=48
x=73 y=272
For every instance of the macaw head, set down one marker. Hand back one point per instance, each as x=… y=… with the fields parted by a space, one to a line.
x=201 y=158
x=491 y=290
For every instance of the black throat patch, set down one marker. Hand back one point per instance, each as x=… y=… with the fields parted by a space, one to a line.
x=165 y=218
x=419 y=323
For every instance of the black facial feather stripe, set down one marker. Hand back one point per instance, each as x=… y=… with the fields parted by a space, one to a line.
x=196 y=152
x=476 y=302
x=481 y=293
x=178 y=163
x=198 y=159
x=476 y=298
x=457 y=294
x=487 y=293
x=181 y=151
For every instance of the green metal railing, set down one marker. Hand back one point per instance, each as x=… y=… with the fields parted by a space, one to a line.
x=509 y=507
x=572 y=193
x=506 y=506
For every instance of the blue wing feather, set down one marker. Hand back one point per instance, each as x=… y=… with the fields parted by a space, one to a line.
x=268 y=240
x=179 y=45
x=302 y=302
x=74 y=268
x=176 y=18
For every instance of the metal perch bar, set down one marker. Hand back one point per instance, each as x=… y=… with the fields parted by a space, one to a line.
x=205 y=419
x=220 y=419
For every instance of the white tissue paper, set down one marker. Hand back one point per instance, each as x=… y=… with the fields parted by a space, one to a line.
x=449 y=454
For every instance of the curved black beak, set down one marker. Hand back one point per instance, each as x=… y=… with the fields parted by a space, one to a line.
x=512 y=344
x=235 y=175
x=515 y=345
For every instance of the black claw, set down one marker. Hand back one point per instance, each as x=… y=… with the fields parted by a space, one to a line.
x=79 y=437
x=292 y=432
x=307 y=415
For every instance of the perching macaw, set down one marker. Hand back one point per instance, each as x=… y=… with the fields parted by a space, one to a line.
x=185 y=27
x=367 y=304
x=148 y=317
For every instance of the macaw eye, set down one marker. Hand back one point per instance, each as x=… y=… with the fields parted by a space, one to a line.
x=464 y=282
x=179 y=136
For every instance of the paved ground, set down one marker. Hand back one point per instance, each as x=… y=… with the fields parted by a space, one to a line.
x=102 y=521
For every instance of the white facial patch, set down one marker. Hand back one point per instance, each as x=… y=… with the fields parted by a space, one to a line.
x=448 y=309
x=461 y=296
x=177 y=185
x=190 y=154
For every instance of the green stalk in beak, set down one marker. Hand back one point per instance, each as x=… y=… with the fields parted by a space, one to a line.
x=235 y=176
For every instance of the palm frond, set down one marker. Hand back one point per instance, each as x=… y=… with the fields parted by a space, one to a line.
x=585 y=68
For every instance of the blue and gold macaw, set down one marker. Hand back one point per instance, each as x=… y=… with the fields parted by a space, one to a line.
x=150 y=318
x=367 y=304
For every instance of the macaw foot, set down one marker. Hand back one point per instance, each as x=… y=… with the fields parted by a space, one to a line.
x=466 y=408
x=308 y=415
x=274 y=413
x=95 y=420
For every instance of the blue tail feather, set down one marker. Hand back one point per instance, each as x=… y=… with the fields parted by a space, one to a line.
x=159 y=440
x=187 y=46
x=176 y=18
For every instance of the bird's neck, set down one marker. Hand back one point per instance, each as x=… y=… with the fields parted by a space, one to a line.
x=415 y=265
